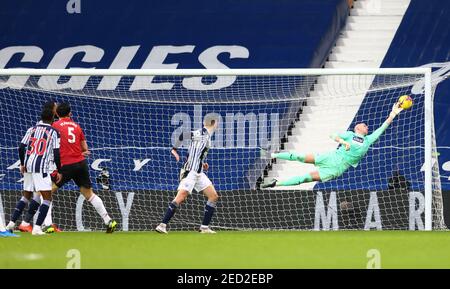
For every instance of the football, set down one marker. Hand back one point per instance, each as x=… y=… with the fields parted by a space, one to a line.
x=405 y=101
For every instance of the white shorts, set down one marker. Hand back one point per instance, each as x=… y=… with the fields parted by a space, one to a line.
x=36 y=182
x=196 y=181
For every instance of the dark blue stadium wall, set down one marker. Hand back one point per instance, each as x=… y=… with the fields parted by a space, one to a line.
x=236 y=33
x=277 y=34
x=424 y=38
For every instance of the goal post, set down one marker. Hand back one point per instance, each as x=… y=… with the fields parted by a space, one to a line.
x=215 y=72
x=428 y=149
x=145 y=110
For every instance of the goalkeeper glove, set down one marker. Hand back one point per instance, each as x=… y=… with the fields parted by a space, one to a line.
x=396 y=109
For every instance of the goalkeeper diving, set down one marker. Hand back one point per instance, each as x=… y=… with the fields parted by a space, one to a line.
x=353 y=147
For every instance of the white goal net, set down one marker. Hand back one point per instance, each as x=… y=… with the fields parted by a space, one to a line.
x=132 y=118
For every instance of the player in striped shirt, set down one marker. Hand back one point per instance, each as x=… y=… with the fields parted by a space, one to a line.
x=32 y=199
x=38 y=149
x=192 y=175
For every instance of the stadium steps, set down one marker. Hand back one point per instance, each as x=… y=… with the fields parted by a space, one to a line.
x=335 y=100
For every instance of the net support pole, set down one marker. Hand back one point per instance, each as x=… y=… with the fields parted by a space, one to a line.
x=428 y=151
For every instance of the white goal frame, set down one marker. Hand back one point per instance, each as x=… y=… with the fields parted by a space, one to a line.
x=428 y=105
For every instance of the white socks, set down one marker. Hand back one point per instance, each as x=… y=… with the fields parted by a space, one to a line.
x=100 y=208
x=48 y=219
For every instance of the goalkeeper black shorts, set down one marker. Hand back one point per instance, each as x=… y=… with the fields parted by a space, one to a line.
x=78 y=172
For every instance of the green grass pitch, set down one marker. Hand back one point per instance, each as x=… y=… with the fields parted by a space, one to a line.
x=231 y=250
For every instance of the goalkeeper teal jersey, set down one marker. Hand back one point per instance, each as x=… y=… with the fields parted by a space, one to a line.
x=359 y=144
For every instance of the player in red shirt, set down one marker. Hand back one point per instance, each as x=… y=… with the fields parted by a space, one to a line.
x=74 y=165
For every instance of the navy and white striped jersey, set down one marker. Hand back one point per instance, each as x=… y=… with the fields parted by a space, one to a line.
x=200 y=144
x=40 y=142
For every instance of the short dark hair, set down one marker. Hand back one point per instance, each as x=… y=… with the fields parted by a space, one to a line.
x=63 y=109
x=50 y=104
x=47 y=114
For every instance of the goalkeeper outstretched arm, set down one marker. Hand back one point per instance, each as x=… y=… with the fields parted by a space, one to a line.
x=362 y=128
x=373 y=137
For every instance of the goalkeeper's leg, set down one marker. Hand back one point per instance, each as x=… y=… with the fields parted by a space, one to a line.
x=294 y=181
x=293 y=156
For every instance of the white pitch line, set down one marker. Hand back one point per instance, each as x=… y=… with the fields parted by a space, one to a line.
x=30 y=256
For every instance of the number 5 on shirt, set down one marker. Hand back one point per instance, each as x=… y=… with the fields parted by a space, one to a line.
x=71 y=138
